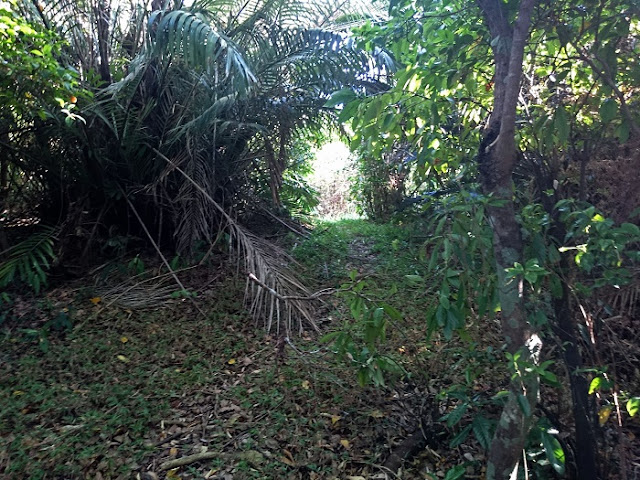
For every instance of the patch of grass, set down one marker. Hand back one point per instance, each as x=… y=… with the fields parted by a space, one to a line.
x=335 y=248
x=88 y=403
x=99 y=398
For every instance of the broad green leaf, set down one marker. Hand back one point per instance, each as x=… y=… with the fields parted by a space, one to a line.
x=633 y=406
x=482 y=431
x=524 y=404
x=623 y=131
x=393 y=313
x=554 y=452
x=596 y=384
x=550 y=378
x=562 y=125
x=455 y=473
x=372 y=112
x=348 y=111
x=414 y=279
x=341 y=97
x=456 y=415
x=608 y=110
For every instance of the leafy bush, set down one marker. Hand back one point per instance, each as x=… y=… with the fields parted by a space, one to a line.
x=29 y=260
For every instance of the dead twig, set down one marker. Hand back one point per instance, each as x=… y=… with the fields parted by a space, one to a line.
x=315 y=296
x=157 y=248
x=169 y=438
x=189 y=459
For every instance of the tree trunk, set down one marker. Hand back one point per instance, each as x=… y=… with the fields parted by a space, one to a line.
x=565 y=329
x=102 y=13
x=496 y=158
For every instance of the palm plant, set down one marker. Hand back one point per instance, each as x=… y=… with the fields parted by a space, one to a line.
x=190 y=105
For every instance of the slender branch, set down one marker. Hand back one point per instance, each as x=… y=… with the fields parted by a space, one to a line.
x=157 y=248
x=315 y=296
x=189 y=459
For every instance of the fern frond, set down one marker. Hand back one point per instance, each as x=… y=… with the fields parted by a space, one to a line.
x=29 y=260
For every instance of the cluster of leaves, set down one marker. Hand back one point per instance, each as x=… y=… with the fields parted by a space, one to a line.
x=28 y=261
x=33 y=79
x=602 y=249
x=380 y=184
x=580 y=75
x=362 y=338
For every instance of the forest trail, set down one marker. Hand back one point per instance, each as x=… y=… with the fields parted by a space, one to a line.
x=166 y=393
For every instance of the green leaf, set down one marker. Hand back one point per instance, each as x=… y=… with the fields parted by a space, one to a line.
x=554 y=452
x=596 y=384
x=623 y=131
x=456 y=472
x=329 y=337
x=460 y=437
x=372 y=112
x=608 y=110
x=524 y=404
x=363 y=376
x=393 y=313
x=456 y=415
x=349 y=111
x=482 y=431
x=414 y=279
x=633 y=406
x=341 y=97
x=550 y=378
x=561 y=124
x=630 y=229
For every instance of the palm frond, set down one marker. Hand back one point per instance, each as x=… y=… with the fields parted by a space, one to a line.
x=182 y=33
x=258 y=257
x=29 y=260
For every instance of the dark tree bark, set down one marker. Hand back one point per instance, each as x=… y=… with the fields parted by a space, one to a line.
x=497 y=157
x=103 y=12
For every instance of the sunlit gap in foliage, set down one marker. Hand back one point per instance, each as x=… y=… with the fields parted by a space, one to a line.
x=332 y=177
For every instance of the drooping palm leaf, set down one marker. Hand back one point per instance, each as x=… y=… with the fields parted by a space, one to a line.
x=195 y=41
x=265 y=261
x=30 y=260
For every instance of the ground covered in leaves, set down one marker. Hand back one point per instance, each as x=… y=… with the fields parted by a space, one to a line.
x=149 y=384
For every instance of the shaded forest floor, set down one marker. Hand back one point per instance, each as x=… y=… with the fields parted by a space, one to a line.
x=95 y=389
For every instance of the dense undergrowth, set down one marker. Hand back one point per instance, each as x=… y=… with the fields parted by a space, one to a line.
x=93 y=388
x=113 y=392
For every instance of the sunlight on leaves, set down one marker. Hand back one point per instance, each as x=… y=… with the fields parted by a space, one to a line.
x=603 y=414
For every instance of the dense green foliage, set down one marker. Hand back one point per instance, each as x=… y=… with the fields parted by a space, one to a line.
x=217 y=94
x=576 y=100
x=35 y=83
x=189 y=129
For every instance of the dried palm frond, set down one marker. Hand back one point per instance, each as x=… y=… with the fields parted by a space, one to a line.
x=137 y=295
x=292 y=303
x=285 y=300
x=625 y=299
